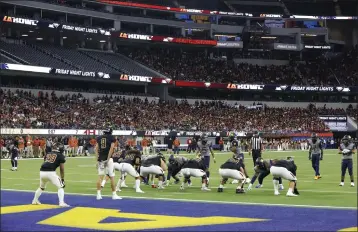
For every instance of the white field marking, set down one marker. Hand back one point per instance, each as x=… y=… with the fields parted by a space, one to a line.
x=74 y=181
x=202 y=201
x=265 y=189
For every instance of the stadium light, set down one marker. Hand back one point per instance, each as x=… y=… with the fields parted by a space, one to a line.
x=64 y=37
x=102 y=41
x=24 y=35
x=39 y=38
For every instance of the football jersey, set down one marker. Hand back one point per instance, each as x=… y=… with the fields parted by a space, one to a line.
x=351 y=147
x=231 y=164
x=195 y=164
x=236 y=143
x=104 y=143
x=315 y=146
x=131 y=156
x=204 y=149
x=153 y=160
x=289 y=165
x=52 y=161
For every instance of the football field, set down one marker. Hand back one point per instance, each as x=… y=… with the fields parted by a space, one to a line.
x=322 y=204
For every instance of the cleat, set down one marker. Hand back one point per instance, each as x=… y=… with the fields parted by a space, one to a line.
x=36 y=202
x=341 y=184
x=124 y=185
x=276 y=193
x=181 y=187
x=259 y=186
x=161 y=187
x=319 y=177
x=118 y=190
x=352 y=184
x=177 y=182
x=205 y=189
x=295 y=191
x=247 y=181
x=280 y=187
x=116 y=197
x=99 y=197
x=220 y=190
x=316 y=177
x=63 y=205
x=234 y=182
x=191 y=184
x=239 y=191
x=154 y=186
x=139 y=191
x=289 y=194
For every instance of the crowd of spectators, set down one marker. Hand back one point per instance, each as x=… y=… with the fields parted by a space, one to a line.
x=23 y=109
x=197 y=66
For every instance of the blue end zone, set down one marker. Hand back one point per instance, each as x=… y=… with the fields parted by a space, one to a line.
x=280 y=218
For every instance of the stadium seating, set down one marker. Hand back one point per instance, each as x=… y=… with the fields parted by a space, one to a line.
x=33 y=56
x=25 y=110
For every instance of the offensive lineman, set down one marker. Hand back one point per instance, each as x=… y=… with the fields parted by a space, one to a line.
x=205 y=149
x=154 y=165
x=280 y=168
x=347 y=149
x=53 y=160
x=195 y=168
x=127 y=164
x=174 y=167
x=104 y=151
x=232 y=168
x=315 y=154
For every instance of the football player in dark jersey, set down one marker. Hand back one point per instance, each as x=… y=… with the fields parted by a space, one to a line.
x=232 y=168
x=154 y=165
x=128 y=163
x=53 y=160
x=14 y=151
x=174 y=167
x=285 y=169
x=105 y=166
x=195 y=168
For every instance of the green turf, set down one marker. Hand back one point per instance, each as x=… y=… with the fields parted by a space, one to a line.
x=81 y=176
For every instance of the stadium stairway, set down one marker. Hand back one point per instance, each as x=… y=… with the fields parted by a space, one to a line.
x=92 y=54
x=138 y=68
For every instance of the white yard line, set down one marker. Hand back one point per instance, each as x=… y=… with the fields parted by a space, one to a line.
x=202 y=201
x=228 y=186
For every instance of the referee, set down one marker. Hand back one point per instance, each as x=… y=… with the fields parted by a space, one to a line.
x=255 y=146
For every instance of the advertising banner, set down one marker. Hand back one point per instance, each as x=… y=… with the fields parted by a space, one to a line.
x=179 y=83
x=156 y=38
x=229 y=44
x=287 y=47
x=327 y=47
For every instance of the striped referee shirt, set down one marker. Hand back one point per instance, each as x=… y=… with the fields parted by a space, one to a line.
x=256 y=143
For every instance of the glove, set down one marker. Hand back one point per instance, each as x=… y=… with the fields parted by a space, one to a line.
x=63 y=183
x=167 y=183
x=249 y=187
x=345 y=151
